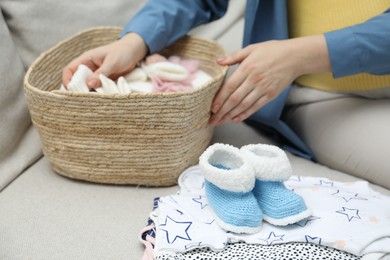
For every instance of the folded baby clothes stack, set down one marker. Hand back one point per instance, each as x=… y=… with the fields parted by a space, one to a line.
x=349 y=217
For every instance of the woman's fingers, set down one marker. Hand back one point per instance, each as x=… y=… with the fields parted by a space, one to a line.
x=262 y=74
x=232 y=83
x=235 y=89
x=92 y=59
x=227 y=89
x=242 y=113
x=230 y=96
x=106 y=69
x=247 y=99
x=111 y=60
x=67 y=74
x=236 y=57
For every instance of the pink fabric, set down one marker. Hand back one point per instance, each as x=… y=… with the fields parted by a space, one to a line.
x=170 y=86
x=191 y=65
x=148 y=242
x=173 y=86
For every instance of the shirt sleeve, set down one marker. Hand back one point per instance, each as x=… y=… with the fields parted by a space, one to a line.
x=162 y=22
x=361 y=48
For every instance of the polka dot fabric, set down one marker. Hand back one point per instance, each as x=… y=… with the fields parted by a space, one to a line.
x=242 y=251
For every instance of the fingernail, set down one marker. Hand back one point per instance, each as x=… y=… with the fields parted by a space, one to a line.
x=215 y=108
x=220 y=59
x=92 y=83
x=236 y=120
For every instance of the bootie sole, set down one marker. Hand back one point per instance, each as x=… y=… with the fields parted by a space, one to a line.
x=288 y=220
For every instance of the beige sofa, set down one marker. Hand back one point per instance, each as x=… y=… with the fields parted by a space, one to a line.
x=46 y=216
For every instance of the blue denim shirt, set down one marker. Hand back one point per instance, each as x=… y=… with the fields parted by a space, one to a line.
x=360 y=48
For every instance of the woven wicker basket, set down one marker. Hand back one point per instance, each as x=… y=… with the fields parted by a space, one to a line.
x=146 y=139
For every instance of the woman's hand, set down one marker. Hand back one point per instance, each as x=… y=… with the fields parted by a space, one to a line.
x=112 y=60
x=265 y=70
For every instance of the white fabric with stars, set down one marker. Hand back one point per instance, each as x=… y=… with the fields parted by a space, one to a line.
x=347 y=216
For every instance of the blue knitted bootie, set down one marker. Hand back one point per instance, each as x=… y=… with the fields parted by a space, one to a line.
x=229 y=180
x=280 y=205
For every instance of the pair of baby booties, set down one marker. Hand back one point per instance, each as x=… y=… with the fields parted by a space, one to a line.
x=244 y=186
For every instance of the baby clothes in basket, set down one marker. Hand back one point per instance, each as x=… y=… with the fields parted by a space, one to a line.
x=155 y=74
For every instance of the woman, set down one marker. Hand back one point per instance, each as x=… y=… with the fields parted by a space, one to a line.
x=335 y=52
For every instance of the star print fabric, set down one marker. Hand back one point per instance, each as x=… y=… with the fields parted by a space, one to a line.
x=346 y=216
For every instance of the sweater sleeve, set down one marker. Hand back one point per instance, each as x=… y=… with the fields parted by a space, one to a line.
x=162 y=22
x=361 y=48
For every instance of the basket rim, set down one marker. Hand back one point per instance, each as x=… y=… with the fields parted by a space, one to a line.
x=59 y=94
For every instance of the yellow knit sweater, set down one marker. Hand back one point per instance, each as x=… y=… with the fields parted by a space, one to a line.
x=308 y=17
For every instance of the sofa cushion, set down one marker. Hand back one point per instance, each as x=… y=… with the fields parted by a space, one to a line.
x=36 y=25
x=51 y=217
x=19 y=144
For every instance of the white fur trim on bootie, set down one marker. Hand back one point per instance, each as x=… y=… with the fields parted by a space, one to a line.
x=269 y=161
x=239 y=177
